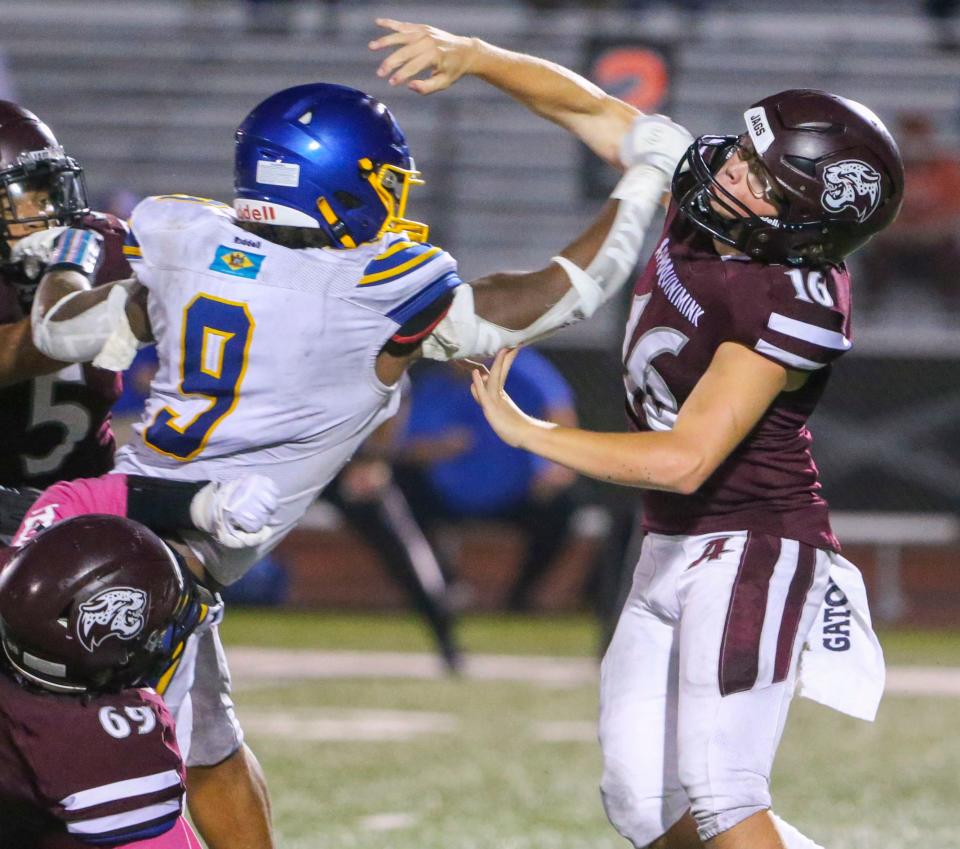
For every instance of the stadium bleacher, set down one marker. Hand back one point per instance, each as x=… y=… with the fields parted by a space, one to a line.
x=147 y=94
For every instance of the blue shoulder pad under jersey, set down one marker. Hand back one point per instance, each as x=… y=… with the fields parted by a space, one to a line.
x=405 y=278
x=402 y=258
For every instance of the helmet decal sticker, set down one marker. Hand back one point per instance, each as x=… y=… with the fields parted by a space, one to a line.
x=759 y=128
x=278 y=173
x=851 y=184
x=271 y=213
x=116 y=612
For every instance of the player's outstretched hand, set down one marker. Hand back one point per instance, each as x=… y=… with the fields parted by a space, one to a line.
x=418 y=48
x=237 y=513
x=508 y=421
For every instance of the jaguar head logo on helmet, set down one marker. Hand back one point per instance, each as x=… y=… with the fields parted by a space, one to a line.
x=851 y=184
x=835 y=173
x=117 y=612
x=94 y=603
x=325 y=157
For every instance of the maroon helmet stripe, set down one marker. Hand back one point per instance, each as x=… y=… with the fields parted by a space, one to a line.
x=792 y=610
x=740 y=648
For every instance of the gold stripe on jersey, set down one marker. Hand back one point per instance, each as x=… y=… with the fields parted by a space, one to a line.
x=395 y=249
x=399 y=270
x=132 y=250
x=177 y=654
x=194 y=199
x=164 y=681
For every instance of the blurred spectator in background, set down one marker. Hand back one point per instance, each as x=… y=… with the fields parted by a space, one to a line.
x=921 y=249
x=451 y=465
x=267 y=584
x=377 y=510
x=943 y=16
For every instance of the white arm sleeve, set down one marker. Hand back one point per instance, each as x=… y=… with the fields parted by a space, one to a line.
x=85 y=337
x=650 y=150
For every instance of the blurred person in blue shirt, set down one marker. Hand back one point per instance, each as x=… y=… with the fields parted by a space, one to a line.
x=453 y=466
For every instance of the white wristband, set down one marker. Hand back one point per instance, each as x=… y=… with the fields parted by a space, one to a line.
x=121 y=346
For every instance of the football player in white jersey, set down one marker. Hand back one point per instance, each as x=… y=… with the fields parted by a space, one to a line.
x=284 y=324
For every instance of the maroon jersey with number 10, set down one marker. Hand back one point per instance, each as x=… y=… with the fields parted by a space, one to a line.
x=57 y=427
x=688 y=301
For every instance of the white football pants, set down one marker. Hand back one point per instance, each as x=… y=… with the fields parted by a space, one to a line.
x=199 y=698
x=698 y=678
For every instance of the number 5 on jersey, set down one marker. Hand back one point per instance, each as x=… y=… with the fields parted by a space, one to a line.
x=213 y=360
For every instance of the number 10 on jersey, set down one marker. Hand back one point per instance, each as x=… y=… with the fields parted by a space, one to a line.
x=213 y=360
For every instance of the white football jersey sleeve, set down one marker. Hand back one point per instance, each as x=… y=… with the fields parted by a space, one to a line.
x=266 y=354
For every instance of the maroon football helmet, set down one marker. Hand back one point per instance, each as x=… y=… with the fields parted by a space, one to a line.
x=94 y=603
x=31 y=160
x=835 y=171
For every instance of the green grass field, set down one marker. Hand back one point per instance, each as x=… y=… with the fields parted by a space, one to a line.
x=458 y=764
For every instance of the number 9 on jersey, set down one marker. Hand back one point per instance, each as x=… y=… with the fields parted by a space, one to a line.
x=213 y=360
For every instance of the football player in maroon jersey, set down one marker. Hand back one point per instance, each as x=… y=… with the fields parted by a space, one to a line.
x=735 y=323
x=55 y=419
x=90 y=612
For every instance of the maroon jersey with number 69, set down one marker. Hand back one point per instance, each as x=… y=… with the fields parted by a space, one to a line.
x=688 y=301
x=76 y=771
x=57 y=426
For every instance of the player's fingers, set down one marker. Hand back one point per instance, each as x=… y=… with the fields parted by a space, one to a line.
x=497 y=372
x=415 y=66
x=391 y=40
x=478 y=387
x=438 y=82
x=397 y=26
x=398 y=58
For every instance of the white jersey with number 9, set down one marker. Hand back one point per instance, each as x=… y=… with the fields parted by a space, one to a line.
x=266 y=353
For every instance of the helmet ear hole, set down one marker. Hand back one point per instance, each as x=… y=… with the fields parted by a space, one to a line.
x=347 y=200
x=820 y=127
x=802 y=164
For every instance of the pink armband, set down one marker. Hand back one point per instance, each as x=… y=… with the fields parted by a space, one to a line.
x=106 y=494
x=181 y=836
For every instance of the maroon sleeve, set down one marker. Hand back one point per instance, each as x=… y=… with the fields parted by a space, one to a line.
x=107 y=768
x=796 y=317
x=114 y=265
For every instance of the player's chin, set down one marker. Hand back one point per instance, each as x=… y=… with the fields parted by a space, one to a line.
x=721 y=211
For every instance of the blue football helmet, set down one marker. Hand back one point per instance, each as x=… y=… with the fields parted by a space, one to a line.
x=326 y=156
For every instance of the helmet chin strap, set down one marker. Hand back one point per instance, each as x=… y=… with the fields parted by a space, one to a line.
x=339 y=230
